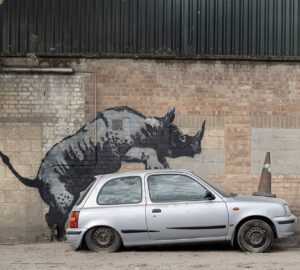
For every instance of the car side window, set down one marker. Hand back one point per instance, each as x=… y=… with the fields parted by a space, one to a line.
x=174 y=188
x=125 y=190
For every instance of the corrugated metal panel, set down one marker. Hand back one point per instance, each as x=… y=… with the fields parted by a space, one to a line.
x=192 y=28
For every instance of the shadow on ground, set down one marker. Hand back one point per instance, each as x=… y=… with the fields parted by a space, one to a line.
x=279 y=246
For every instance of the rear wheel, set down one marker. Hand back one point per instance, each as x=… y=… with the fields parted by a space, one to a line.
x=255 y=236
x=103 y=239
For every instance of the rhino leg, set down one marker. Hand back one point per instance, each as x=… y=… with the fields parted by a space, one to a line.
x=56 y=221
x=148 y=156
x=51 y=217
x=60 y=202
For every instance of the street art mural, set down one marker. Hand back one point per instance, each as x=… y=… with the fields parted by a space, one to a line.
x=115 y=135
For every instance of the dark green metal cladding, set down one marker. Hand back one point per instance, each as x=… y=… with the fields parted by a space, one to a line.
x=255 y=29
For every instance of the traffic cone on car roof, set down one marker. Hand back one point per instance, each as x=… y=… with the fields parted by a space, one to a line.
x=264 y=187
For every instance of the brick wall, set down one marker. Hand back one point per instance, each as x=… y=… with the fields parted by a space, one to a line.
x=250 y=108
x=36 y=111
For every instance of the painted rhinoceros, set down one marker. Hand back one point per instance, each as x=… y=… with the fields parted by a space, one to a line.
x=115 y=135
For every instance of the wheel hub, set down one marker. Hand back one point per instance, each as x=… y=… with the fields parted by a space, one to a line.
x=256 y=236
x=103 y=237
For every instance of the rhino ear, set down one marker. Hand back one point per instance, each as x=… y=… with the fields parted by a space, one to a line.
x=170 y=116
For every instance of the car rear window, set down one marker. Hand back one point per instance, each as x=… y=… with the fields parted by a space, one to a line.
x=83 y=193
x=125 y=190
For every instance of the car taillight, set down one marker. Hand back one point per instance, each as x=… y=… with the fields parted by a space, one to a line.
x=74 y=219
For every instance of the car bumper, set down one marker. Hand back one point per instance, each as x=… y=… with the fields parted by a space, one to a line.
x=74 y=237
x=285 y=226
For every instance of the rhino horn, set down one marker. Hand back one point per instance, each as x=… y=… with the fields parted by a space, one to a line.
x=200 y=133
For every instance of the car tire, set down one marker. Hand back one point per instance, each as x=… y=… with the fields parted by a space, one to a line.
x=255 y=236
x=103 y=239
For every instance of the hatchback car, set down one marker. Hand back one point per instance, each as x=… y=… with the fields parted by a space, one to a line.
x=173 y=206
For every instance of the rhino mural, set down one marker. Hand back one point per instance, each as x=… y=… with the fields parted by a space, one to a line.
x=115 y=135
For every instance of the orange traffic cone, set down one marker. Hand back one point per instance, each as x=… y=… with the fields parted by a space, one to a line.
x=264 y=187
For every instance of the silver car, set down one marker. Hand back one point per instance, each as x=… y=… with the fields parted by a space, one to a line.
x=173 y=206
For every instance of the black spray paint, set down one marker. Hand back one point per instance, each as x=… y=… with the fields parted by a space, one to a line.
x=116 y=135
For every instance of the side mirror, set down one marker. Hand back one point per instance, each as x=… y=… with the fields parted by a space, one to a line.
x=209 y=196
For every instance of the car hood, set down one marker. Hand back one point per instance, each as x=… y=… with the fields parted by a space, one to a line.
x=257 y=199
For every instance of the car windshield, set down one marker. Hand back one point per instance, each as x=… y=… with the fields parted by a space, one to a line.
x=220 y=190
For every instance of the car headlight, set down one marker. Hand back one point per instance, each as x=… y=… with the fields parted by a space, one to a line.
x=287 y=210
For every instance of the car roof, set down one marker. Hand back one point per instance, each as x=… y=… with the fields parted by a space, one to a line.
x=143 y=172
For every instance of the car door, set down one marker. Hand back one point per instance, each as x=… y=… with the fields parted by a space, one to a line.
x=177 y=208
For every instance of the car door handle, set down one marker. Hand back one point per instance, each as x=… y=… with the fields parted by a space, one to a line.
x=156 y=210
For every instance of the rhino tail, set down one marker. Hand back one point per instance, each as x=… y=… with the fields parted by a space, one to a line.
x=27 y=182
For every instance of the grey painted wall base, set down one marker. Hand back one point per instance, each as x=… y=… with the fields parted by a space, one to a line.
x=284 y=145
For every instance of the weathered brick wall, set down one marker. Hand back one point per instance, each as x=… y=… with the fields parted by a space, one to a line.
x=36 y=111
x=21 y=208
x=250 y=108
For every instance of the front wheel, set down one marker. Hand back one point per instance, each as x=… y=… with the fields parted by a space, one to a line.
x=255 y=236
x=103 y=239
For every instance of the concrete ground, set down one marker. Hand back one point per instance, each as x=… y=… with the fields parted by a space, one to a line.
x=284 y=255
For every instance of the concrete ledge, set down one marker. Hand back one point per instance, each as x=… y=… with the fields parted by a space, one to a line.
x=36 y=70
